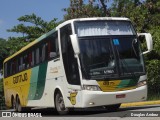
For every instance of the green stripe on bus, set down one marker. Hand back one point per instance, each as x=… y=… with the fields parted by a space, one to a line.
x=128 y=83
x=41 y=80
x=33 y=83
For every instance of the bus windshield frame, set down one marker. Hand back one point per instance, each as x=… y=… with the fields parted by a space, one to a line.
x=109 y=54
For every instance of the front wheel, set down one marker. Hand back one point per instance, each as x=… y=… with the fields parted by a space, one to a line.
x=59 y=104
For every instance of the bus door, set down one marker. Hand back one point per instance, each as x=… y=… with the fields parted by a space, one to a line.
x=70 y=66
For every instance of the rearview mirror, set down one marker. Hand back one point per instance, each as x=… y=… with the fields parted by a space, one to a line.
x=149 y=41
x=75 y=44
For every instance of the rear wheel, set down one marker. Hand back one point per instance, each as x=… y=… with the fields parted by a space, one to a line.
x=113 y=107
x=13 y=104
x=18 y=105
x=59 y=104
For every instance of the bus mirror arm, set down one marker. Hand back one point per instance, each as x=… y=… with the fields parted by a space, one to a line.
x=149 y=41
x=75 y=44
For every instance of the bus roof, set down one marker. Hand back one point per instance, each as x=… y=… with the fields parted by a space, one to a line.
x=61 y=25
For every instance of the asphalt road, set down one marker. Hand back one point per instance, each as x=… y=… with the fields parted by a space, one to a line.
x=101 y=112
x=149 y=112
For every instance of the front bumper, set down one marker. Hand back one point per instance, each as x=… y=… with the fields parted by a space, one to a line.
x=99 y=98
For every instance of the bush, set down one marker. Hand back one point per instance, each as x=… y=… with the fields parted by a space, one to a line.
x=2 y=104
x=153 y=72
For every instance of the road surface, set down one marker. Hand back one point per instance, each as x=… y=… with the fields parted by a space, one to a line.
x=149 y=112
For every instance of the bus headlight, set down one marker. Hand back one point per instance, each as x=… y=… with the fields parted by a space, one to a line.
x=91 y=87
x=142 y=83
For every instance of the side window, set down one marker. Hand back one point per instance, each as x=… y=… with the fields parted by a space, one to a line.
x=43 y=52
x=14 y=67
x=21 y=63
x=37 y=56
x=17 y=70
x=70 y=62
x=5 y=70
x=53 y=49
x=8 y=69
x=29 y=59
x=25 y=61
x=33 y=58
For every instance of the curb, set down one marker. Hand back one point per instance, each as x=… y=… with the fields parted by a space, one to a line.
x=140 y=103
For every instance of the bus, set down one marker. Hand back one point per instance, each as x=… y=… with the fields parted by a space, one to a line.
x=82 y=63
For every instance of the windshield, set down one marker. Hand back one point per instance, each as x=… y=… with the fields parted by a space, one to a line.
x=129 y=56
x=109 y=57
x=97 y=56
x=109 y=49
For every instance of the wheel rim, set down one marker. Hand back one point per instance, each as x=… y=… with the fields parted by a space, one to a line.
x=61 y=105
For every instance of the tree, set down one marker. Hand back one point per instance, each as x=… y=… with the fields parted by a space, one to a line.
x=92 y=8
x=106 y=11
x=3 y=52
x=31 y=27
x=35 y=29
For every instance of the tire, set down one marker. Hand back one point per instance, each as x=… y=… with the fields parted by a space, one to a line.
x=59 y=104
x=113 y=108
x=18 y=105
x=13 y=104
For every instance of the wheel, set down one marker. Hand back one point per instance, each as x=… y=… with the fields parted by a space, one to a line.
x=59 y=104
x=18 y=105
x=113 y=107
x=13 y=104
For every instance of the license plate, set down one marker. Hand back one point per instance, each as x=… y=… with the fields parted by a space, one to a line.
x=121 y=96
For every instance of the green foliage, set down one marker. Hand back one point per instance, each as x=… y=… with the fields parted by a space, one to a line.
x=153 y=70
x=2 y=104
x=79 y=9
x=3 y=51
x=15 y=43
x=155 y=31
x=29 y=33
x=34 y=29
